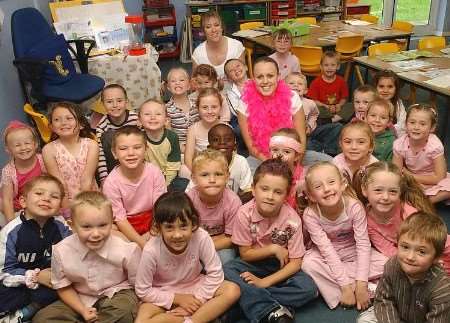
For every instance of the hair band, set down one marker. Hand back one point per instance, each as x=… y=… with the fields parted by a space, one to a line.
x=285 y=141
x=13 y=125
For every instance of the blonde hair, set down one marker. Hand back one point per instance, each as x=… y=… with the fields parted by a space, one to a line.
x=209 y=155
x=410 y=191
x=44 y=178
x=428 y=227
x=303 y=202
x=178 y=68
x=360 y=125
x=282 y=33
x=156 y=101
x=92 y=198
x=431 y=110
x=379 y=102
x=299 y=75
x=366 y=88
x=210 y=91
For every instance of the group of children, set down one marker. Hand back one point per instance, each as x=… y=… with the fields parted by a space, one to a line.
x=324 y=199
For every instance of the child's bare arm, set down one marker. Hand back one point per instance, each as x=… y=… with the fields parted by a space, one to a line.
x=44 y=276
x=189 y=149
x=70 y=297
x=397 y=160
x=222 y=241
x=250 y=254
x=88 y=177
x=7 y=199
x=127 y=229
x=242 y=119
x=292 y=267
x=440 y=171
x=300 y=126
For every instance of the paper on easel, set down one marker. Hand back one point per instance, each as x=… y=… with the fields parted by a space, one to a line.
x=110 y=31
x=88 y=10
x=74 y=29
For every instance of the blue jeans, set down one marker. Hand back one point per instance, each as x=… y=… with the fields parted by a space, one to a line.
x=325 y=138
x=257 y=303
x=226 y=255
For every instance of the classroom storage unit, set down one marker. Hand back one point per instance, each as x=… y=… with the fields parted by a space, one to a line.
x=160 y=27
x=323 y=10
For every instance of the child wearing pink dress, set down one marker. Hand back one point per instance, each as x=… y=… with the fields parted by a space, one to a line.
x=72 y=156
x=391 y=197
x=21 y=144
x=420 y=153
x=216 y=204
x=357 y=143
x=341 y=262
x=180 y=275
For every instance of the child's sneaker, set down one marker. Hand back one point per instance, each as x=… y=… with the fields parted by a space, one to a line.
x=280 y=315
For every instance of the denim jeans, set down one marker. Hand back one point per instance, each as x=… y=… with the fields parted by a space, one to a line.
x=257 y=303
x=325 y=138
x=226 y=255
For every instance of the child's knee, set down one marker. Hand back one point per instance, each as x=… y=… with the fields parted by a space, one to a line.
x=231 y=291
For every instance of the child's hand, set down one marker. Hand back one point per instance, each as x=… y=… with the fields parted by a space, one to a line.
x=251 y=279
x=338 y=108
x=362 y=296
x=89 y=314
x=348 y=296
x=43 y=278
x=332 y=108
x=179 y=311
x=187 y=302
x=281 y=253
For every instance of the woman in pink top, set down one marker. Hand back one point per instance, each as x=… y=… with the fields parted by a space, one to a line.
x=180 y=277
x=357 y=143
x=216 y=204
x=391 y=197
x=341 y=261
x=22 y=144
x=133 y=186
x=420 y=153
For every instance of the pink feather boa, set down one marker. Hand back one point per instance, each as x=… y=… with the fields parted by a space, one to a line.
x=267 y=114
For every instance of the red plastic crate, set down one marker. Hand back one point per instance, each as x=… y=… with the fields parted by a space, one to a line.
x=156 y=3
x=283 y=12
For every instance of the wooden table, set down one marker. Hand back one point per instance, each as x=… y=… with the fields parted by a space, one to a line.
x=411 y=77
x=336 y=28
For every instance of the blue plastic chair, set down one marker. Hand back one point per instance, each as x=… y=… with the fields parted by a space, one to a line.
x=43 y=60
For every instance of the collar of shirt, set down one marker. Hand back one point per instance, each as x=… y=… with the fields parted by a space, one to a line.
x=84 y=251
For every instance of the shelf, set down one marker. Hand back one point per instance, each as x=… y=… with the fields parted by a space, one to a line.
x=250 y=20
x=164 y=39
x=172 y=54
x=160 y=22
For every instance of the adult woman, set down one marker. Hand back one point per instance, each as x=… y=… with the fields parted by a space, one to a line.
x=268 y=104
x=217 y=48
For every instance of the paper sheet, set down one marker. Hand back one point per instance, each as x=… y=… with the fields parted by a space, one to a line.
x=411 y=65
x=249 y=33
x=435 y=72
x=441 y=81
x=358 y=22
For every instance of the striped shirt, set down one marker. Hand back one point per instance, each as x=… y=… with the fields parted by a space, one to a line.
x=179 y=120
x=105 y=158
x=397 y=300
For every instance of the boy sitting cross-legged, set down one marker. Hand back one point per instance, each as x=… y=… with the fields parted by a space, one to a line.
x=414 y=287
x=93 y=271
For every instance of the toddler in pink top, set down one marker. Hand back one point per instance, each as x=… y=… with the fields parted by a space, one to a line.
x=93 y=271
x=357 y=143
x=180 y=278
x=216 y=204
x=391 y=197
x=341 y=262
x=22 y=144
x=287 y=62
x=420 y=153
x=134 y=185
x=269 y=235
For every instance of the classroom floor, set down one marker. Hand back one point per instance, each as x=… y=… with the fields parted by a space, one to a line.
x=317 y=311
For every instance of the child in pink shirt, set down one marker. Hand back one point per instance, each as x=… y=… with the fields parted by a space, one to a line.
x=22 y=144
x=287 y=62
x=216 y=204
x=133 y=186
x=357 y=144
x=269 y=235
x=180 y=278
x=341 y=262
x=391 y=197
x=420 y=153
x=93 y=271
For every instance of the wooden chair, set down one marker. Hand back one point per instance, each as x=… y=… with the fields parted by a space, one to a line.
x=349 y=47
x=307 y=20
x=40 y=121
x=248 y=46
x=431 y=42
x=309 y=57
x=403 y=26
x=369 y=18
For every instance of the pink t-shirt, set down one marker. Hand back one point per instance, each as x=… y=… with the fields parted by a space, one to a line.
x=384 y=235
x=342 y=240
x=252 y=229
x=341 y=163
x=94 y=274
x=217 y=219
x=286 y=65
x=23 y=178
x=161 y=273
x=129 y=198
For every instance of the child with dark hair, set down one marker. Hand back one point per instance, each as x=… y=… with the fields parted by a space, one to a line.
x=414 y=288
x=180 y=277
x=287 y=62
x=270 y=239
x=26 y=250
